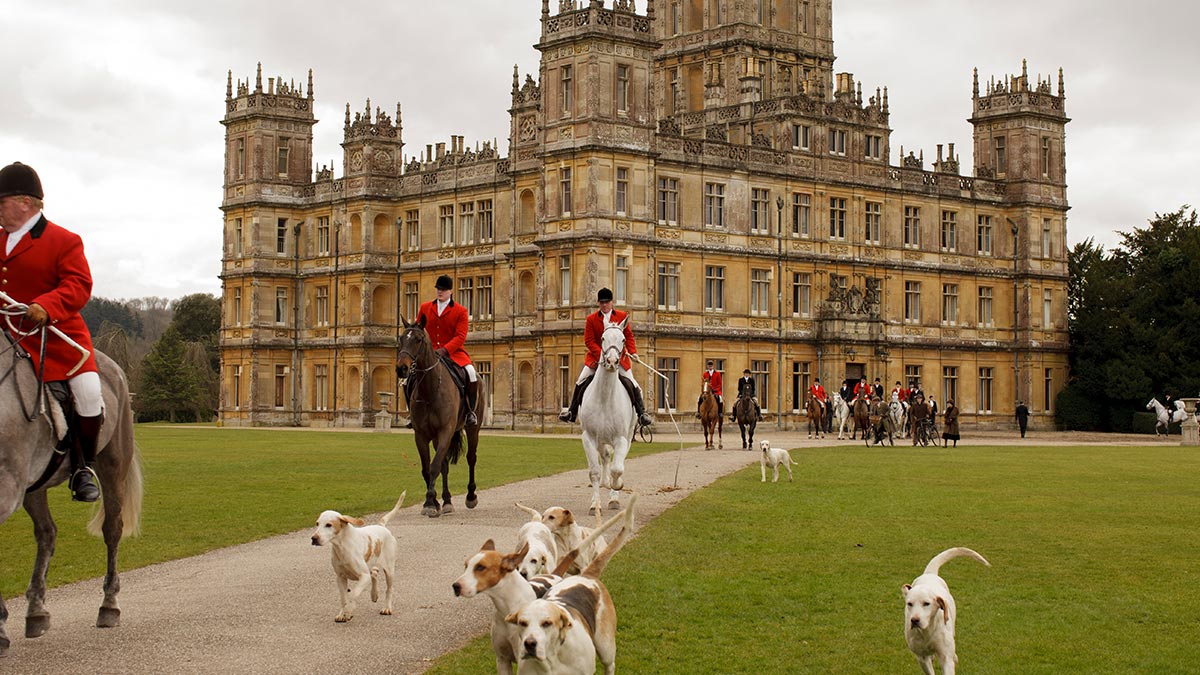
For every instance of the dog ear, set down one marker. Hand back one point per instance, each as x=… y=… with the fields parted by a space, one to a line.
x=904 y=590
x=512 y=618
x=509 y=562
x=941 y=602
x=564 y=624
x=567 y=517
x=488 y=545
x=357 y=522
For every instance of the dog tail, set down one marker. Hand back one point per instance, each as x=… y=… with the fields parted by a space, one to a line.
x=593 y=570
x=565 y=562
x=535 y=516
x=388 y=516
x=949 y=554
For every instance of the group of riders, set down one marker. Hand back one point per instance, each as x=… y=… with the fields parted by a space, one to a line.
x=916 y=407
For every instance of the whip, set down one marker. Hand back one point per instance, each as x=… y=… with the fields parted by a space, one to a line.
x=14 y=308
x=667 y=401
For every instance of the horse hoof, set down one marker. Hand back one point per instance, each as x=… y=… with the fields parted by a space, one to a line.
x=36 y=626
x=3 y=646
x=592 y=510
x=109 y=617
x=431 y=511
x=447 y=508
x=614 y=505
x=472 y=502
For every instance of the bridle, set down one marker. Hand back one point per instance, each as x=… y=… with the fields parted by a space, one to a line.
x=613 y=348
x=416 y=374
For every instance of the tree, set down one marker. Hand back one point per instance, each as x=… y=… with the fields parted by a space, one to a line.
x=169 y=386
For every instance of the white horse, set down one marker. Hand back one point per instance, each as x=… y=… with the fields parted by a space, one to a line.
x=841 y=414
x=1165 y=418
x=606 y=415
x=897 y=411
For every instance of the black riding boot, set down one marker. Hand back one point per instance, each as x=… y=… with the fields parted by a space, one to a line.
x=472 y=397
x=83 y=479
x=758 y=411
x=569 y=414
x=640 y=407
x=698 y=402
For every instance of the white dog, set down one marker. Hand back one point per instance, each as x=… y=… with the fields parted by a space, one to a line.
x=542 y=555
x=360 y=555
x=930 y=615
x=568 y=534
x=773 y=457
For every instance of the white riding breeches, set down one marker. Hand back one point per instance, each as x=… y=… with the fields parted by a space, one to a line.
x=588 y=372
x=85 y=388
x=471 y=374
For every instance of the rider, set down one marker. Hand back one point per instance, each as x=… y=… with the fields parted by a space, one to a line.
x=446 y=323
x=593 y=330
x=862 y=390
x=713 y=379
x=900 y=392
x=818 y=394
x=747 y=388
x=877 y=389
x=43 y=266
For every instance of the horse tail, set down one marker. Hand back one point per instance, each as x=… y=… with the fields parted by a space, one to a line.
x=455 y=449
x=131 y=503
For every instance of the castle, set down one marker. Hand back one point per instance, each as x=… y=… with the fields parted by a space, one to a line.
x=702 y=160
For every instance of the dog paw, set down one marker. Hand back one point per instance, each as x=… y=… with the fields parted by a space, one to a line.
x=343 y=617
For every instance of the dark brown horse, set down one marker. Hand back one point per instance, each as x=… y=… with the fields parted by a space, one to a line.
x=816 y=416
x=438 y=412
x=862 y=417
x=747 y=419
x=710 y=419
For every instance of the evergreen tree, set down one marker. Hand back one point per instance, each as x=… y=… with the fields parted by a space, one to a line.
x=169 y=381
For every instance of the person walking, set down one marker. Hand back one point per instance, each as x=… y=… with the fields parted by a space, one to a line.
x=1022 y=417
x=951 y=418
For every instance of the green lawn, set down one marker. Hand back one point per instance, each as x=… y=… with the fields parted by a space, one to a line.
x=1095 y=565
x=207 y=488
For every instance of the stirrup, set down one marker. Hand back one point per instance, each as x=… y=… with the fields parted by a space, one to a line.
x=645 y=420
x=566 y=416
x=83 y=478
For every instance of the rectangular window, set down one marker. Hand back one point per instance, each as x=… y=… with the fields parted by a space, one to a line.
x=237 y=387
x=1048 y=391
x=412 y=300
x=321 y=387
x=281 y=157
x=760 y=292
x=714 y=205
x=912 y=375
x=566 y=383
x=465 y=295
x=873 y=214
x=665 y=398
x=912 y=302
x=801 y=377
x=622 y=190
x=912 y=227
x=800 y=136
x=622 y=88
x=801 y=208
x=1047 y=309
x=873 y=147
x=621 y=280
x=240 y=161
x=1045 y=157
x=565 y=191
x=983 y=236
x=281 y=305
x=668 y=200
x=281 y=230
x=673 y=104
x=237 y=306
x=446 y=224
x=676 y=18
x=801 y=294
x=949 y=231
x=466 y=222
x=323 y=235
x=949 y=384
x=412 y=222
x=484 y=223
x=1000 y=157
x=837 y=142
x=322 y=306
x=985 y=306
x=484 y=369
x=760 y=212
x=280 y=385
x=985 y=390
x=564 y=280
x=950 y=304
x=568 y=90
x=668 y=285
x=714 y=288
x=1046 y=240
x=761 y=372
x=837 y=218
x=238 y=237
x=484 y=305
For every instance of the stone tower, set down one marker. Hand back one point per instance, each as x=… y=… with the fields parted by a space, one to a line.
x=373 y=147
x=268 y=136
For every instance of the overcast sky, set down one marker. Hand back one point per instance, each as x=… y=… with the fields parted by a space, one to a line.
x=117 y=103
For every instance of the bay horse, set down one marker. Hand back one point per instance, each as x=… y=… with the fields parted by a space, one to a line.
x=438 y=413
x=862 y=417
x=27 y=442
x=816 y=416
x=710 y=419
x=747 y=419
x=607 y=418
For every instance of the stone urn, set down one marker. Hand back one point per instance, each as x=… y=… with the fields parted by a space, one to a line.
x=1191 y=426
x=383 y=418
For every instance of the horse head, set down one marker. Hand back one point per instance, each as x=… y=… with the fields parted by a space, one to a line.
x=612 y=344
x=415 y=348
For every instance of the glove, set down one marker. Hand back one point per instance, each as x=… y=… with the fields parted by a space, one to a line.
x=37 y=314
x=441 y=351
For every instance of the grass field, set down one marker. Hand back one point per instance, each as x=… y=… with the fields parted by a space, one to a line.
x=1094 y=552
x=208 y=487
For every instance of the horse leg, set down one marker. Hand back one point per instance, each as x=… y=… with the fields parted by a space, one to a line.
x=431 y=507
x=8 y=485
x=594 y=476
x=447 y=507
x=472 y=445
x=616 y=473
x=37 y=619
x=720 y=429
x=113 y=470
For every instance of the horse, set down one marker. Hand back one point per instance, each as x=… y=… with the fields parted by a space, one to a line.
x=27 y=442
x=841 y=412
x=710 y=419
x=862 y=415
x=816 y=417
x=747 y=418
x=438 y=413
x=898 y=411
x=1166 y=418
x=607 y=418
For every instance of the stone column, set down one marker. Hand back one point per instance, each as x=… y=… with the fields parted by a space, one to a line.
x=1191 y=426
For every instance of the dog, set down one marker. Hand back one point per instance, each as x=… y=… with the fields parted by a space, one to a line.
x=543 y=550
x=568 y=534
x=564 y=631
x=360 y=554
x=773 y=457
x=930 y=615
x=495 y=575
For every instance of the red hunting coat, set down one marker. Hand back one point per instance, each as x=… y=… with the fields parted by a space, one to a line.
x=714 y=381
x=593 y=331
x=48 y=268
x=448 y=330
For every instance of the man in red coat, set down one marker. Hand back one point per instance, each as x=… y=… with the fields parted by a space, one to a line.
x=446 y=323
x=712 y=378
x=42 y=265
x=593 y=330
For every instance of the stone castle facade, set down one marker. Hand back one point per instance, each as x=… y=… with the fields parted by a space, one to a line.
x=703 y=160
